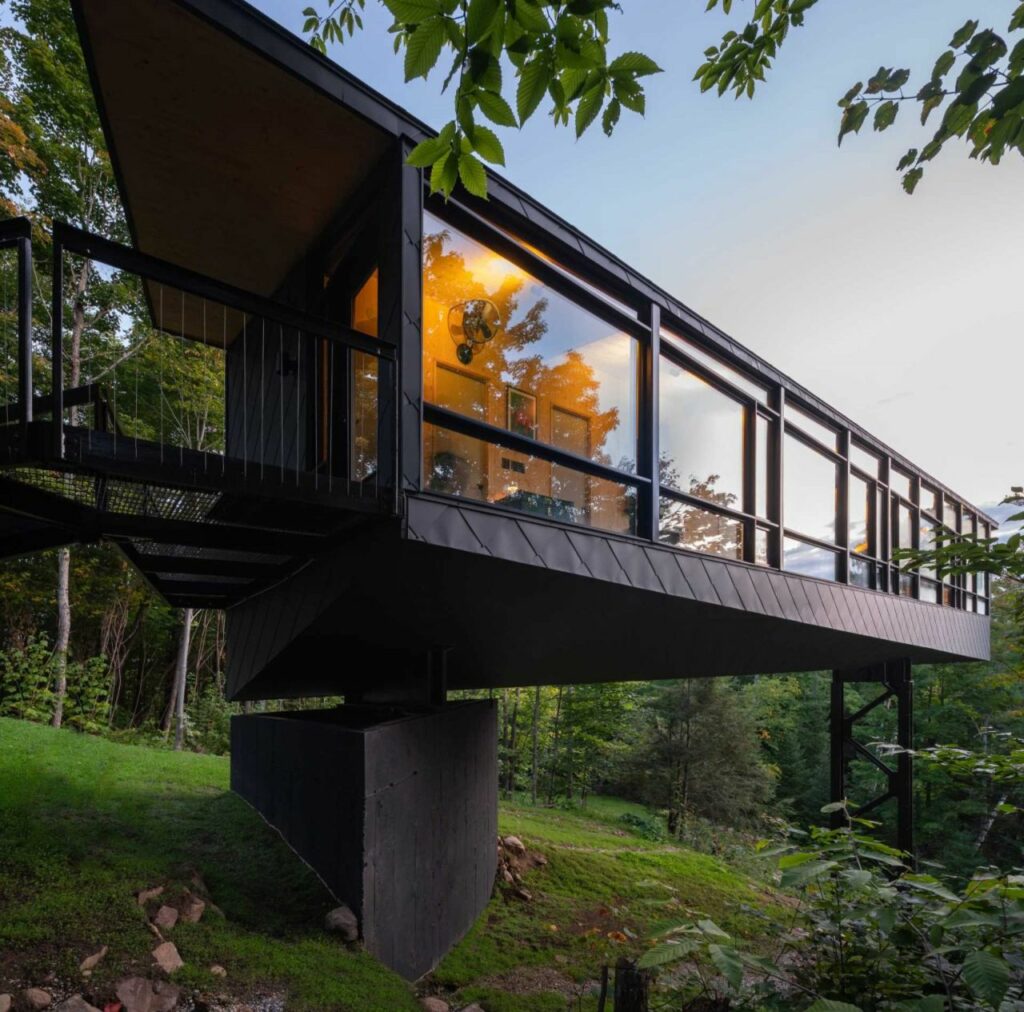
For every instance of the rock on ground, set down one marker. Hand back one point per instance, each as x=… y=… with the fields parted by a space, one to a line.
x=137 y=994
x=165 y=917
x=191 y=908
x=76 y=1003
x=167 y=958
x=36 y=997
x=344 y=922
x=146 y=895
x=218 y=971
x=514 y=844
x=434 y=1005
x=89 y=963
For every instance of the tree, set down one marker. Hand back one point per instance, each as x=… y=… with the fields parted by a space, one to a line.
x=50 y=116
x=559 y=50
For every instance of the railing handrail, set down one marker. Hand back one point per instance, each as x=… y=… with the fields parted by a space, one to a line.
x=113 y=254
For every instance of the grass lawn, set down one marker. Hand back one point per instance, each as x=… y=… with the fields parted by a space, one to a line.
x=86 y=823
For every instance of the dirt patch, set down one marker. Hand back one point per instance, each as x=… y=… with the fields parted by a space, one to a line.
x=526 y=980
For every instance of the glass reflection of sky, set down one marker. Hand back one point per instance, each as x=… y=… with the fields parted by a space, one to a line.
x=609 y=354
x=809 y=491
x=808 y=560
x=701 y=437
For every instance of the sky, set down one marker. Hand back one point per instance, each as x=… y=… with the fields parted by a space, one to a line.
x=902 y=312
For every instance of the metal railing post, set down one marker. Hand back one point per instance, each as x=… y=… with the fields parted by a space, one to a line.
x=57 y=350
x=25 y=387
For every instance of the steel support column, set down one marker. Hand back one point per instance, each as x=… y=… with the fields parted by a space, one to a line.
x=895 y=680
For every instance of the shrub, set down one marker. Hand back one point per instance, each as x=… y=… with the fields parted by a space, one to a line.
x=26 y=677
x=866 y=934
x=650 y=827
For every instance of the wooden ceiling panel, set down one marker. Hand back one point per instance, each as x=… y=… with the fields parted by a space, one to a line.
x=228 y=164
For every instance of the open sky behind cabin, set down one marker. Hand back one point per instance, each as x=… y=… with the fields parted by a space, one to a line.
x=903 y=312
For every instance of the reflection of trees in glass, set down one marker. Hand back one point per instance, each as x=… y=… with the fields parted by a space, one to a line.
x=568 y=381
x=688 y=526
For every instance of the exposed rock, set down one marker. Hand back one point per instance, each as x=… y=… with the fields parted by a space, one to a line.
x=514 y=844
x=141 y=995
x=473 y=1008
x=36 y=997
x=5 y=1003
x=89 y=963
x=434 y=1005
x=344 y=922
x=165 y=917
x=76 y=1003
x=167 y=958
x=191 y=908
x=218 y=971
x=146 y=895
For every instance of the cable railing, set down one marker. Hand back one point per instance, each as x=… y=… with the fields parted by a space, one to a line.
x=159 y=373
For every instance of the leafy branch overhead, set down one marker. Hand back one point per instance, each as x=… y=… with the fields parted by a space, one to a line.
x=975 y=89
x=557 y=50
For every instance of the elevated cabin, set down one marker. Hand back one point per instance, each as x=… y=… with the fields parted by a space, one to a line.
x=413 y=445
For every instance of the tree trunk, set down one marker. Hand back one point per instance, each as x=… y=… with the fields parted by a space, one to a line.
x=510 y=780
x=60 y=648
x=554 y=746
x=180 y=678
x=536 y=721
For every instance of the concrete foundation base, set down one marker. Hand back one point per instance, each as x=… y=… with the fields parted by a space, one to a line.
x=395 y=809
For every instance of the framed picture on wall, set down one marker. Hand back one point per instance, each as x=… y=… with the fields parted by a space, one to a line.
x=522 y=413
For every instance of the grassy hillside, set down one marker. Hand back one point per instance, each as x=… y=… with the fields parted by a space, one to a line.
x=85 y=824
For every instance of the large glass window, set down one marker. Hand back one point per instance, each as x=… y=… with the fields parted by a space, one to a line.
x=701 y=437
x=363 y=431
x=539 y=357
x=502 y=348
x=810 y=425
x=756 y=390
x=861 y=496
x=809 y=491
x=808 y=560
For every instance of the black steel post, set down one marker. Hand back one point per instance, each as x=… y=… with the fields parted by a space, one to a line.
x=25 y=390
x=57 y=349
x=648 y=499
x=894 y=678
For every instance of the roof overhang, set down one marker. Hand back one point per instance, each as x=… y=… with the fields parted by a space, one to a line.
x=228 y=163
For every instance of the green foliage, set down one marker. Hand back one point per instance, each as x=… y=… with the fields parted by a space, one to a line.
x=85 y=706
x=26 y=678
x=982 y=104
x=557 y=49
x=650 y=827
x=865 y=933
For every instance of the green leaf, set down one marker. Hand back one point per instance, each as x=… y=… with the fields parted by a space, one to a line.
x=665 y=952
x=885 y=114
x=635 y=64
x=963 y=34
x=988 y=976
x=533 y=83
x=486 y=144
x=853 y=119
x=423 y=47
x=833 y=806
x=412 y=12
x=444 y=175
x=728 y=963
x=530 y=16
x=496 y=109
x=479 y=18
x=827 y=1005
x=611 y=116
x=473 y=174
x=427 y=152
x=943 y=64
x=804 y=873
x=588 y=108
x=712 y=930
